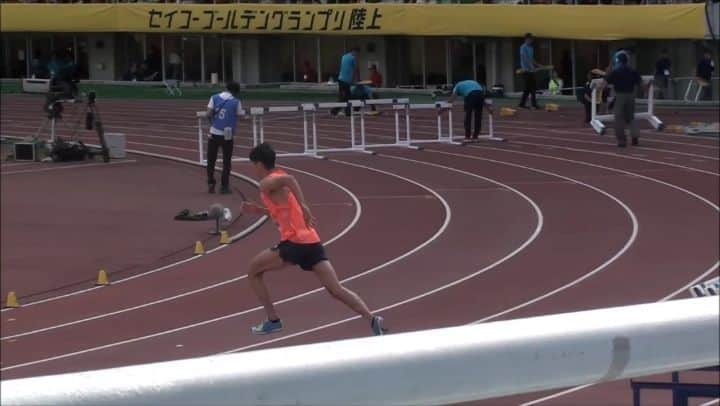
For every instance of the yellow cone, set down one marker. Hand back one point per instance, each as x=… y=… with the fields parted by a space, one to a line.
x=224 y=237
x=552 y=107
x=199 y=249
x=11 y=300
x=102 y=279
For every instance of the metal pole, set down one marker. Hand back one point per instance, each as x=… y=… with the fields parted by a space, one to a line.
x=424 y=64
x=407 y=122
x=305 y=131
x=202 y=59
x=162 y=56
x=294 y=61
x=28 y=54
x=222 y=60
x=474 y=60
x=182 y=55
x=314 y=132
x=397 y=126
x=75 y=48
x=319 y=64
x=254 y=126
x=362 y=127
x=200 y=140
x=448 y=66
x=262 y=130
x=572 y=61
x=352 y=127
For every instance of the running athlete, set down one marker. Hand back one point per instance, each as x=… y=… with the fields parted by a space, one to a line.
x=299 y=244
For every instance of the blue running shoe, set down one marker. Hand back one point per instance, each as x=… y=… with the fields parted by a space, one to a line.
x=377 y=325
x=267 y=327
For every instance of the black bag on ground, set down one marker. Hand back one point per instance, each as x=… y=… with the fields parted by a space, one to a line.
x=64 y=151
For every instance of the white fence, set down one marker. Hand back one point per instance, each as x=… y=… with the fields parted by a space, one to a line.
x=421 y=368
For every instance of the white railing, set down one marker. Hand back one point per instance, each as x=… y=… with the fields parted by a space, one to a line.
x=420 y=368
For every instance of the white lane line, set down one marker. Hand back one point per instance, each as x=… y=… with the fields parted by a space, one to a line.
x=436 y=235
x=353 y=222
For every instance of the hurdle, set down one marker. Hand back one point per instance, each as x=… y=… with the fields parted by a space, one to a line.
x=258 y=126
x=597 y=120
x=357 y=142
x=402 y=139
x=441 y=108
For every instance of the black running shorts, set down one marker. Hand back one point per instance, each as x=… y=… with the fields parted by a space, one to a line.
x=306 y=256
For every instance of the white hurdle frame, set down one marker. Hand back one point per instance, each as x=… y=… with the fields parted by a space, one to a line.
x=258 y=126
x=355 y=146
x=398 y=105
x=597 y=120
x=440 y=108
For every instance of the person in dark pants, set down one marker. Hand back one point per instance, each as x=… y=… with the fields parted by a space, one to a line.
x=348 y=75
x=528 y=66
x=474 y=94
x=704 y=72
x=624 y=80
x=222 y=112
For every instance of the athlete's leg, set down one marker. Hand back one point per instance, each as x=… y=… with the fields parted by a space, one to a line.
x=266 y=260
x=326 y=273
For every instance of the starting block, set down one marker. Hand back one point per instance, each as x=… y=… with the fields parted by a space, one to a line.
x=552 y=107
x=597 y=121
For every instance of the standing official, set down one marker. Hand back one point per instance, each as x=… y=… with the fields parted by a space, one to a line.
x=624 y=80
x=222 y=112
x=348 y=75
x=528 y=66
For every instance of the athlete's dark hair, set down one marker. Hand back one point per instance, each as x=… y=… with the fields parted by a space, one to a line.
x=264 y=154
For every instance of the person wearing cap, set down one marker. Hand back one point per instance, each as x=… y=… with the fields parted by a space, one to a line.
x=624 y=80
x=528 y=66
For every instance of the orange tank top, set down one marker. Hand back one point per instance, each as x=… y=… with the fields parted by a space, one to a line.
x=289 y=217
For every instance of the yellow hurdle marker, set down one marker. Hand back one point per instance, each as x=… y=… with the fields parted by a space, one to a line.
x=102 y=279
x=224 y=237
x=11 y=301
x=199 y=249
x=507 y=112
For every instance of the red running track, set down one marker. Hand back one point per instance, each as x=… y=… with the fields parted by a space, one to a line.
x=555 y=220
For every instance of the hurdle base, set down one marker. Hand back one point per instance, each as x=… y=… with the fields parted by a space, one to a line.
x=598 y=126
x=481 y=139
